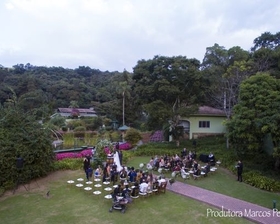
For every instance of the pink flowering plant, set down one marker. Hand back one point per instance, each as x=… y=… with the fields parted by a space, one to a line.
x=125 y=146
x=72 y=155
x=104 y=147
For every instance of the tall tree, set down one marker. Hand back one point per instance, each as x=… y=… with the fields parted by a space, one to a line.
x=171 y=81
x=21 y=135
x=256 y=115
x=225 y=70
x=267 y=40
x=265 y=53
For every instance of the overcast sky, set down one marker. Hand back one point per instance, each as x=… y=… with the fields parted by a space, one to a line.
x=114 y=34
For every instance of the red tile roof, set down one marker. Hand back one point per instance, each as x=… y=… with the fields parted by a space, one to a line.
x=206 y=110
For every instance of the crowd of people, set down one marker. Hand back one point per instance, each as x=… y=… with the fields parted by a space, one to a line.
x=177 y=163
x=187 y=161
x=132 y=182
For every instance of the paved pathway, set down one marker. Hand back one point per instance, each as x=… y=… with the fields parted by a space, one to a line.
x=229 y=206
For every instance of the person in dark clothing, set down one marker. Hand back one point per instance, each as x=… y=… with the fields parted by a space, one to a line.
x=89 y=173
x=194 y=143
x=114 y=173
x=118 y=191
x=207 y=169
x=184 y=153
x=117 y=146
x=120 y=156
x=239 y=167
x=106 y=172
x=86 y=166
x=132 y=175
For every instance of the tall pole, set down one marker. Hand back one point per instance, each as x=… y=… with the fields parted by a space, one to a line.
x=123 y=108
x=123 y=119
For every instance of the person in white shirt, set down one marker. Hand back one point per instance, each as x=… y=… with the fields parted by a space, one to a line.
x=161 y=180
x=143 y=186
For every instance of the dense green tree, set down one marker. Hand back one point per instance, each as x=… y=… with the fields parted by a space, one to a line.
x=167 y=87
x=224 y=70
x=214 y=83
x=133 y=136
x=266 y=53
x=256 y=114
x=267 y=40
x=22 y=136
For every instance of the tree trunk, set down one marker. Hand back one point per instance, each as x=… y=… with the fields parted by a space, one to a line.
x=227 y=142
x=277 y=163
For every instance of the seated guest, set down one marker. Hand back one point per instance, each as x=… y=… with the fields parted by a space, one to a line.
x=123 y=173
x=150 y=186
x=193 y=155
x=161 y=163
x=143 y=178
x=139 y=175
x=118 y=191
x=135 y=189
x=150 y=178
x=211 y=159
x=155 y=184
x=166 y=165
x=97 y=172
x=132 y=175
x=126 y=190
x=197 y=172
x=156 y=162
x=143 y=186
x=151 y=162
x=126 y=194
x=195 y=165
x=183 y=171
x=177 y=168
x=161 y=180
x=177 y=158
x=207 y=168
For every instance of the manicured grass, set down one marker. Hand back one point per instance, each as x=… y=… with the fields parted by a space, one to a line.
x=224 y=182
x=69 y=204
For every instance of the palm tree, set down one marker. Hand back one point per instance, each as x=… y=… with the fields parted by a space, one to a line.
x=124 y=88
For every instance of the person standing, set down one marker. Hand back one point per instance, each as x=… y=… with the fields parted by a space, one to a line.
x=86 y=166
x=239 y=167
x=120 y=156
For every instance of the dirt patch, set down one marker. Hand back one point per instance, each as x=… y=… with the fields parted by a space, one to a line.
x=37 y=185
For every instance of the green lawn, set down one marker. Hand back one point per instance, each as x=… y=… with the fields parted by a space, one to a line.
x=69 y=204
x=224 y=182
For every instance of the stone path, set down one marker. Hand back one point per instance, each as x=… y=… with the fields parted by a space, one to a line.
x=229 y=206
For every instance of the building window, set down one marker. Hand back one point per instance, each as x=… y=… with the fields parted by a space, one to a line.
x=204 y=124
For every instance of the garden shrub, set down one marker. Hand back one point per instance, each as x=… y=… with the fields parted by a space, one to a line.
x=97 y=162
x=80 y=129
x=133 y=136
x=68 y=164
x=115 y=136
x=256 y=179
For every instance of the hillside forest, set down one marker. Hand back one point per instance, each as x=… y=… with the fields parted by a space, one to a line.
x=161 y=90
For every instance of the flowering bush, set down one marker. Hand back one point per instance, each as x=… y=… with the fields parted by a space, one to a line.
x=125 y=146
x=71 y=155
x=103 y=147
